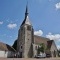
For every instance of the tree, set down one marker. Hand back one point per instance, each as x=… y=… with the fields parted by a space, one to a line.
x=41 y=48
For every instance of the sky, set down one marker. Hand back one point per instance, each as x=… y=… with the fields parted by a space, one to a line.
x=43 y=14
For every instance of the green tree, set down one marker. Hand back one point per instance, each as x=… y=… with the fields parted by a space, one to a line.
x=41 y=48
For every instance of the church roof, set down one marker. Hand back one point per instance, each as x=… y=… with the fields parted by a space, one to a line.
x=39 y=39
x=26 y=20
x=6 y=47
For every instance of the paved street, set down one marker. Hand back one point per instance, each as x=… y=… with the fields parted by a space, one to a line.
x=29 y=59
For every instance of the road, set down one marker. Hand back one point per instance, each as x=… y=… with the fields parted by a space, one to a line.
x=29 y=59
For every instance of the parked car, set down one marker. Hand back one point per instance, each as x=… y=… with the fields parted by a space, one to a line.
x=41 y=55
x=48 y=55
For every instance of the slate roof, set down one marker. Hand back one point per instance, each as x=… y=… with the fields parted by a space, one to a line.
x=6 y=47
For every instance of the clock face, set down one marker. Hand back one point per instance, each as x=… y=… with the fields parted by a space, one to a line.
x=29 y=28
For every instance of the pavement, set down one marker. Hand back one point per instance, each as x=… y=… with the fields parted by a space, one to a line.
x=29 y=59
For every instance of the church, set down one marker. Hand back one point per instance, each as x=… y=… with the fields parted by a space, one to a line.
x=27 y=44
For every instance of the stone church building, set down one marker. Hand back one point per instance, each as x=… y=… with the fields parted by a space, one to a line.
x=27 y=44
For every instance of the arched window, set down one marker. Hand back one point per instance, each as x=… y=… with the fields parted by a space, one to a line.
x=21 y=47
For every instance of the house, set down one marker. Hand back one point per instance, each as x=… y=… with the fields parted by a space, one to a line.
x=6 y=51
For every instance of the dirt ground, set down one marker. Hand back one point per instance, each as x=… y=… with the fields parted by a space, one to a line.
x=29 y=59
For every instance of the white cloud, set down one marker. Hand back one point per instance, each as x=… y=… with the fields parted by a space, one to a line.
x=57 y=5
x=53 y=36
x=38 y=33
x=58 y=47
x=1 y=22
x=11 y=26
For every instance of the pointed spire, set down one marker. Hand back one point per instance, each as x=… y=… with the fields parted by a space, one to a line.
x=26 y=20
x=26 y=13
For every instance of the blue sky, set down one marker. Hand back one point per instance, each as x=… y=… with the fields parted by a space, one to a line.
x=43 y=14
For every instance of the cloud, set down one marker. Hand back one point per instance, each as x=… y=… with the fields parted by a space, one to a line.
x=1 y=22
x=53 y=36
x=58 y=47
x=38 y=33
x=57 y=5
x=11 y=26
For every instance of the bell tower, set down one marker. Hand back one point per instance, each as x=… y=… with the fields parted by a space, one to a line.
x=25 y=37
